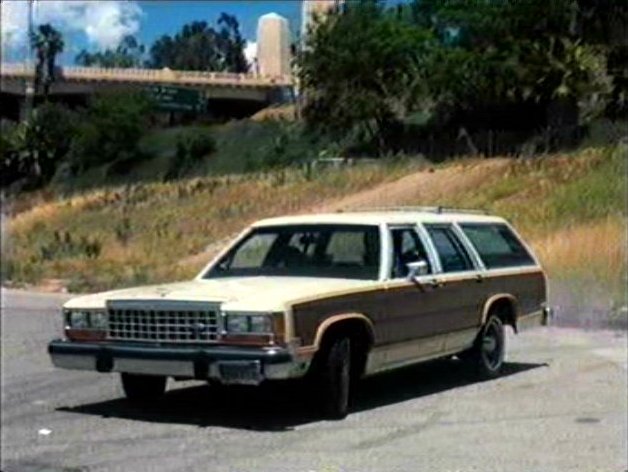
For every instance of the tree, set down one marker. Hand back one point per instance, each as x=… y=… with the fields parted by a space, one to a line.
x=511 y=52
x=603 y=24
x=33 y=149
x=198 y=46
x=110 y=130
x=192 y=147
x=128 y=54
x=48 y=43
x=361 y=70
x=232 y=44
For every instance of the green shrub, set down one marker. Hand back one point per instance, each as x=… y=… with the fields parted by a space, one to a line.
x=110 y=130
x=192 y=146
x=64 y=245
x=33 y=149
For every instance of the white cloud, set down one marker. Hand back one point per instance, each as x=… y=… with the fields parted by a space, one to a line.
x=250 y=52
x=104 y=22
x=13 y=22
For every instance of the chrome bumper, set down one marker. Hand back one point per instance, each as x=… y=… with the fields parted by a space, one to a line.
x=539 y=318
x=227 y=365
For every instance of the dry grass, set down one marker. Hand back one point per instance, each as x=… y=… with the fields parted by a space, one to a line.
x=283 y=112
x=146 y=230
x=161 y=232
x=593 y=251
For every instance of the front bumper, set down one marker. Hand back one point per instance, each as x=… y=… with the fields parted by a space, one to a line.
x=225 y=364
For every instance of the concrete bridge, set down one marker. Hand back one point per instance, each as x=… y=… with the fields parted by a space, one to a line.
x=74 y=84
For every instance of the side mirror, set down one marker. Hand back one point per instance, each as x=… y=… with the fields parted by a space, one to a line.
x=417 y=268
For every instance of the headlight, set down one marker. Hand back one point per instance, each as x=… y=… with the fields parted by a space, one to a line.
x=79 y=319
x=98 y=320
x=83 y=319
x=260 y=324
x=237 y=324
x=245 y=323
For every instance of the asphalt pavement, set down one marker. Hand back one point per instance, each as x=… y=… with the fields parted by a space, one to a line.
x=561 y=405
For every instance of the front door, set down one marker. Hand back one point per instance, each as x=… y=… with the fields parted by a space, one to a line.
x=409 y=321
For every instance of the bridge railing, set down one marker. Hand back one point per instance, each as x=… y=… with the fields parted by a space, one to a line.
x=150 y=75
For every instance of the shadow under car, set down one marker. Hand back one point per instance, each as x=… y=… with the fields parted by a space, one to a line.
x=282 y=406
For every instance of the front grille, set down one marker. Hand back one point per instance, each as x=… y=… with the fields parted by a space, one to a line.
x=163 y=324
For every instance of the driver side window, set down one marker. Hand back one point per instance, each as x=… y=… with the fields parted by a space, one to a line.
x=407 y=247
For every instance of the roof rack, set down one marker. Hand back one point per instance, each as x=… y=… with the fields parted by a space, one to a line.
x=427 y=209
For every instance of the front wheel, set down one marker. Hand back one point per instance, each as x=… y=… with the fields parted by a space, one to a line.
x=487 y=354
x=335 y=379
x=143 y=387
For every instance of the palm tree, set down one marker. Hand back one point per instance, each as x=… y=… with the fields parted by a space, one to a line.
x=48 y=43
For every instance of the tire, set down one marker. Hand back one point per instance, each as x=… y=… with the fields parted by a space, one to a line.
x=143 y=387
x=487 y=355
x=334 y=379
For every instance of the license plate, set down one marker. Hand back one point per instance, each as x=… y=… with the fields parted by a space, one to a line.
x=244 y=373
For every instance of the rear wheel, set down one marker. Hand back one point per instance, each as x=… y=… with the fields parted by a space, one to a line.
x=487 y=355
x=143 y=387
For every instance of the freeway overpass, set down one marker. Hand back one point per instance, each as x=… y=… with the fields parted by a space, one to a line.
x=75 y=84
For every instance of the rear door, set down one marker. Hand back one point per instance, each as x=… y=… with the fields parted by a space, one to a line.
x=458 y=281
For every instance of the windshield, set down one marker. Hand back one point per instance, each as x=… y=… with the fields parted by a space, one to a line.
x=334 y=251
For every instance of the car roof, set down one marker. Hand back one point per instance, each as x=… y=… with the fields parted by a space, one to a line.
x=380 y=217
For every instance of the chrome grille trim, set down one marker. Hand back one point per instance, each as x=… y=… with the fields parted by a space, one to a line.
x=163 y=321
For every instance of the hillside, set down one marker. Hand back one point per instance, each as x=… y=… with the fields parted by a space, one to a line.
x=240 y=147
x=570 y=206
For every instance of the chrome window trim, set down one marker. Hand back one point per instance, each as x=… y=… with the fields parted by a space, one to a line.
x=472 y=271
x=380 y=273
x=471 y=250
x=389 y=227
x=210 y=265
x=385 y=247
x=521 y=241
x=431 y=249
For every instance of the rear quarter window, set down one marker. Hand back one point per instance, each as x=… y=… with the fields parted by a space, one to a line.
x=497 y=245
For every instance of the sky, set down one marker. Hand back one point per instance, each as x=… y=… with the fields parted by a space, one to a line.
x=100 y=24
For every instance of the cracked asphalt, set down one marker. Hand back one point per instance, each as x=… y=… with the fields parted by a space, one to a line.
x=560 y=406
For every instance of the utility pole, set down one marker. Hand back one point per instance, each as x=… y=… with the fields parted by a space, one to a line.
x=29 y=99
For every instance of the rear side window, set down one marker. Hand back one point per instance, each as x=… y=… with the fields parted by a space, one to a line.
x=497 y=245
x=452 y=254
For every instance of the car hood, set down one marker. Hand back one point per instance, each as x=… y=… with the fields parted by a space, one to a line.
x=235 y=293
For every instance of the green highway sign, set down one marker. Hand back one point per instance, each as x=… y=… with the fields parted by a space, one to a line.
x=170 y=98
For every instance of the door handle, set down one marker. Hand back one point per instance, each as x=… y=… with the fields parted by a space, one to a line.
x=479 y=278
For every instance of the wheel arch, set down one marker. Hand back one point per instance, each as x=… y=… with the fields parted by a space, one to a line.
x=337 y=322
x=356 y=325
x=508 y=307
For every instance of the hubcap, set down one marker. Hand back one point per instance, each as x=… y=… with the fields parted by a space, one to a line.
x=491 y=347
x=489 y=344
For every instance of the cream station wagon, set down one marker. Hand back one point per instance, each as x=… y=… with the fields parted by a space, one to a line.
x=328 y=297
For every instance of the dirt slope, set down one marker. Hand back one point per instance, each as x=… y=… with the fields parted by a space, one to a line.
x=429 y=185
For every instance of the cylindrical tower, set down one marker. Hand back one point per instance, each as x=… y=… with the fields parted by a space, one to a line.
x=273 y=45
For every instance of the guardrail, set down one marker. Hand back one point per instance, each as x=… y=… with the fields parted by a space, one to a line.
x=151 y=75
